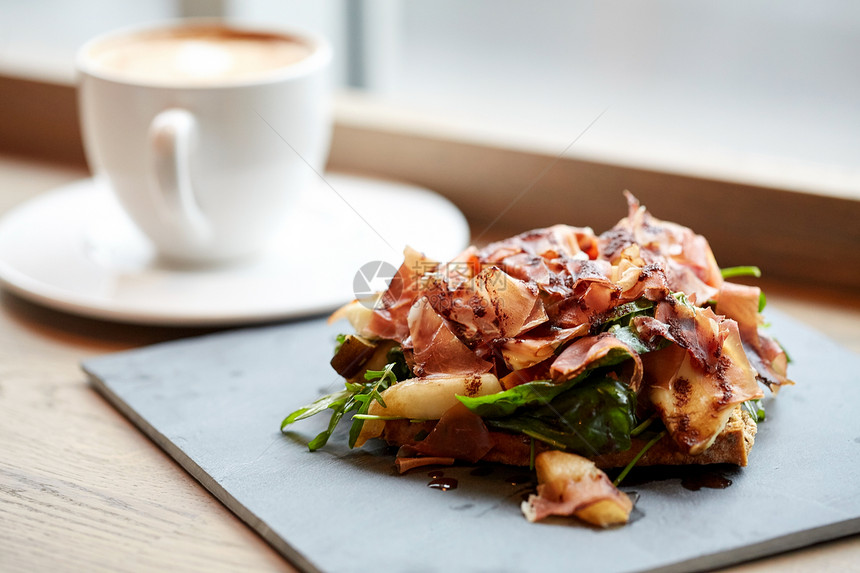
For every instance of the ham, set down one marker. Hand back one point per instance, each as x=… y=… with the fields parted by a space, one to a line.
x=459 y=434
x=741 y=303
x=436 y=350
x=491 y=305
x=576 y=497
x=578 y=356
x=558 y=241
x=538 y=345
x=572 y=485
x=695 y=383
x=389 y=320
x=692 y=328
x=691 y=266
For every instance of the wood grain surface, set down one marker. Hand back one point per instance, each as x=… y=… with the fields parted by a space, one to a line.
x=82 y=490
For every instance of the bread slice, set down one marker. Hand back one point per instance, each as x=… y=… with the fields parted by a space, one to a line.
x=732 y=445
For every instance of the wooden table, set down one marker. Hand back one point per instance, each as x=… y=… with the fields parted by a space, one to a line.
x=82 y=490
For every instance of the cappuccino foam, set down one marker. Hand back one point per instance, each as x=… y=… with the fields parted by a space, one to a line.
x=197 y=56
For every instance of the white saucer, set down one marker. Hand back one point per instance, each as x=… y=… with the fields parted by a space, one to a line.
x=74 y=250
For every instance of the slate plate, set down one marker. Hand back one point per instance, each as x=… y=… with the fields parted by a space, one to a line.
x=215 y=404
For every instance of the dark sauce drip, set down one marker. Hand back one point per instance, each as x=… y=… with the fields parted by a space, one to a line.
x=435 y=474
x=693 y=478
x=481 y=471
x=520 y=479
x=709 y=480
x=443 y=484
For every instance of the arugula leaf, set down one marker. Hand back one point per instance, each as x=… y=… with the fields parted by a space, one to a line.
x=592 y=417
x=381 y=379
x=353 y=397
x=742 y=271
x=322 y=438
x=762 y=301
x=637 y=457
x=333 y=401
x=755 y=409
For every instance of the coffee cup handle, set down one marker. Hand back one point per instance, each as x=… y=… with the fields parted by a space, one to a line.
x=172 y=138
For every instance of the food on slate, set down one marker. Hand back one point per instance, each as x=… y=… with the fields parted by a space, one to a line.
x=625 y=348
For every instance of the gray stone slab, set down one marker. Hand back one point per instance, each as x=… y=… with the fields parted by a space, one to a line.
x=215 y=404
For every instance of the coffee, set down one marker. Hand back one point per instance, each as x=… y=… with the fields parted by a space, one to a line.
x=178 y=122
x=202 y=56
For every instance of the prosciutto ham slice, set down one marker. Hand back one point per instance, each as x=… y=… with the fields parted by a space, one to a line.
x=538 y=345
x=696 y=383
x=741 y=303
x=436 y=350
x=459 y=434
x=689 y=262
x=491 y=305
x=577 y=357
x=389 y=317
x=572 y=485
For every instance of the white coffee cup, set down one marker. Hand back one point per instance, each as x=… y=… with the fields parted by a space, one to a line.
x=205 y=131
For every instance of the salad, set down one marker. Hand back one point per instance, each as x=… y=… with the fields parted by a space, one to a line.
x=562 y=350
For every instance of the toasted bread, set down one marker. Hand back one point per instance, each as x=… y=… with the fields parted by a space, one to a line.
x=732 y=445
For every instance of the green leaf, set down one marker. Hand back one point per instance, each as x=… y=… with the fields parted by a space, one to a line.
x=622 y=314
x=339 y=340
x=637 y=457
x=755 y=409
x=532 y=454
x=353 y=397
x=401 y=369
x=629 y=336
x=322 y=437
x=762 y=301
x=592 y=417
x=330 y=401
x=743 y=271
x=536 y=393
x=682 y=298
x=643 y=426
x=381 y=379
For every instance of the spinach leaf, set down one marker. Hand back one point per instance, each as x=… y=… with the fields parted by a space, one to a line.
x=401 y=369
x=542 y=392
x=593 y=417
x=536 y=393
x=629 y=336
x=622 y=314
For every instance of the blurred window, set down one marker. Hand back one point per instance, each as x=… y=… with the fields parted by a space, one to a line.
x=729 y=84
